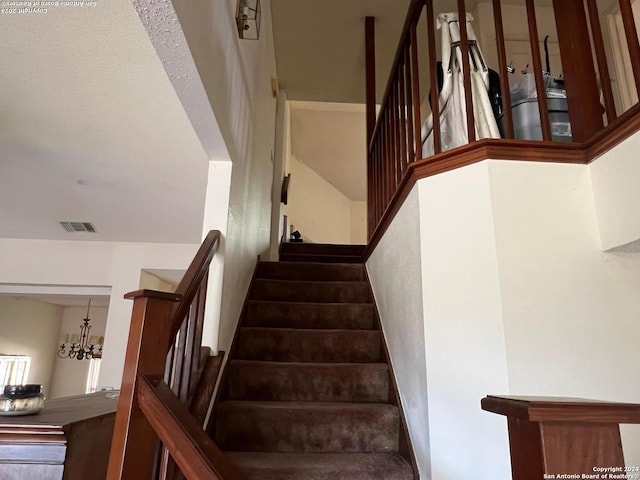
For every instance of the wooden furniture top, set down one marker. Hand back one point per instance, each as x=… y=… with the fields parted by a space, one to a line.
x=554 y=409
x=58 y=413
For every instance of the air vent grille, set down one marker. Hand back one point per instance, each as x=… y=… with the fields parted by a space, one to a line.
x=74 y=227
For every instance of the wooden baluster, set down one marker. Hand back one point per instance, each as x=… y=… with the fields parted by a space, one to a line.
x=369 y=193
x=466 y=70
x=601 y=57
x=631 y=33
x=381 y=158
x=504 y=74
x=376 y=186
x=404 y=159
x=179 y=357
x=194 y=366
x=189 y=351
x=433 y=79
x=583 y=95
x=396 y=137
x=385 y=156
x=393 y=145
x=545 y=123
x=377 y=182
x=390 y=157
x=393 y=114
x=382 y=133
x=415 y=80
x=134 y=440
x=411 y=153
x=376 y=191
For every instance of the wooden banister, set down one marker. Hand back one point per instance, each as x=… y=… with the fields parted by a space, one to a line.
x=162 y=366
x=570 y=436
x=395 y=145
x=193 y=450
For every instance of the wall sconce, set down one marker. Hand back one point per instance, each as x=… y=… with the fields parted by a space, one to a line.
x=248 y=19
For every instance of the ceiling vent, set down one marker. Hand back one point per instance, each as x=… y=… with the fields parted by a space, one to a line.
x=74 y=227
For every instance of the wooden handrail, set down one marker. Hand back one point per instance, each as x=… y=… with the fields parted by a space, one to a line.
x=193 y=277
x=415 y=7
x=165 y=343
x=193 y=450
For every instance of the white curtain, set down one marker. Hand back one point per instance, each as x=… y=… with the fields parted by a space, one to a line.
x=453 y=114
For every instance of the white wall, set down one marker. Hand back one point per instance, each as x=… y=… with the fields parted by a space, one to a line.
x=115 y=265
x=149 y=281
x=396 y=278
x=517 y=298
x=316 y=208
x=237 y=78
x=30 y=327
x=464 y=336
x=617 y=196
x=70 y=375
x=570 y=310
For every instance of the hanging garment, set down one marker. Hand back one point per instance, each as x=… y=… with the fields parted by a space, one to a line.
x=453 y=115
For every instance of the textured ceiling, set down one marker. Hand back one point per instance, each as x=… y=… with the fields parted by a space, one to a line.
x=92 y=130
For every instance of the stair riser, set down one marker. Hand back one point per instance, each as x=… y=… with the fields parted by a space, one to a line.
x=291 y=315
x=298 y=257
x=318 y=346
x=310 y=271
x=322 y=466
x=321 y=292
x=308 y=383
x=322 y=249
x=352 y=429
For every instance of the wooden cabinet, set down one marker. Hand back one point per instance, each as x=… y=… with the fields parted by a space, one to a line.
x=68 y=440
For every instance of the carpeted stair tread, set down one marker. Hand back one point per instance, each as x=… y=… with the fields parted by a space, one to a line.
x=331 y=272
x=322 y=249
x=301 y=257
x=309 y=382
x=356 y=316
x=307 y=427
x=308 y=291
x=306 y=345
x=322 y=466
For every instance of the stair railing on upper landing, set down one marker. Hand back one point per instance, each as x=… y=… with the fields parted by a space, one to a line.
x=395 y=147
x=162 y=365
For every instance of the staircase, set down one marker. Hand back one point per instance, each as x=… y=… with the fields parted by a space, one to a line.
x=308 y=392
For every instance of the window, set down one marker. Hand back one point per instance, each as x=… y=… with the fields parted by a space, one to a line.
x=92 y=377
x=14 y=369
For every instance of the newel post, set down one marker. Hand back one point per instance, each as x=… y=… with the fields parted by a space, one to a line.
x=134 y=441
x=564 y=437
x=370 y=52
x=370 y=55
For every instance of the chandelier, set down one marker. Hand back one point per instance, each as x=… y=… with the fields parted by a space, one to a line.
x=82 y=346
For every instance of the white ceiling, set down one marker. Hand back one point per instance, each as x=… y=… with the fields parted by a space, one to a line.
x=92 y=130
x=330 y=139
